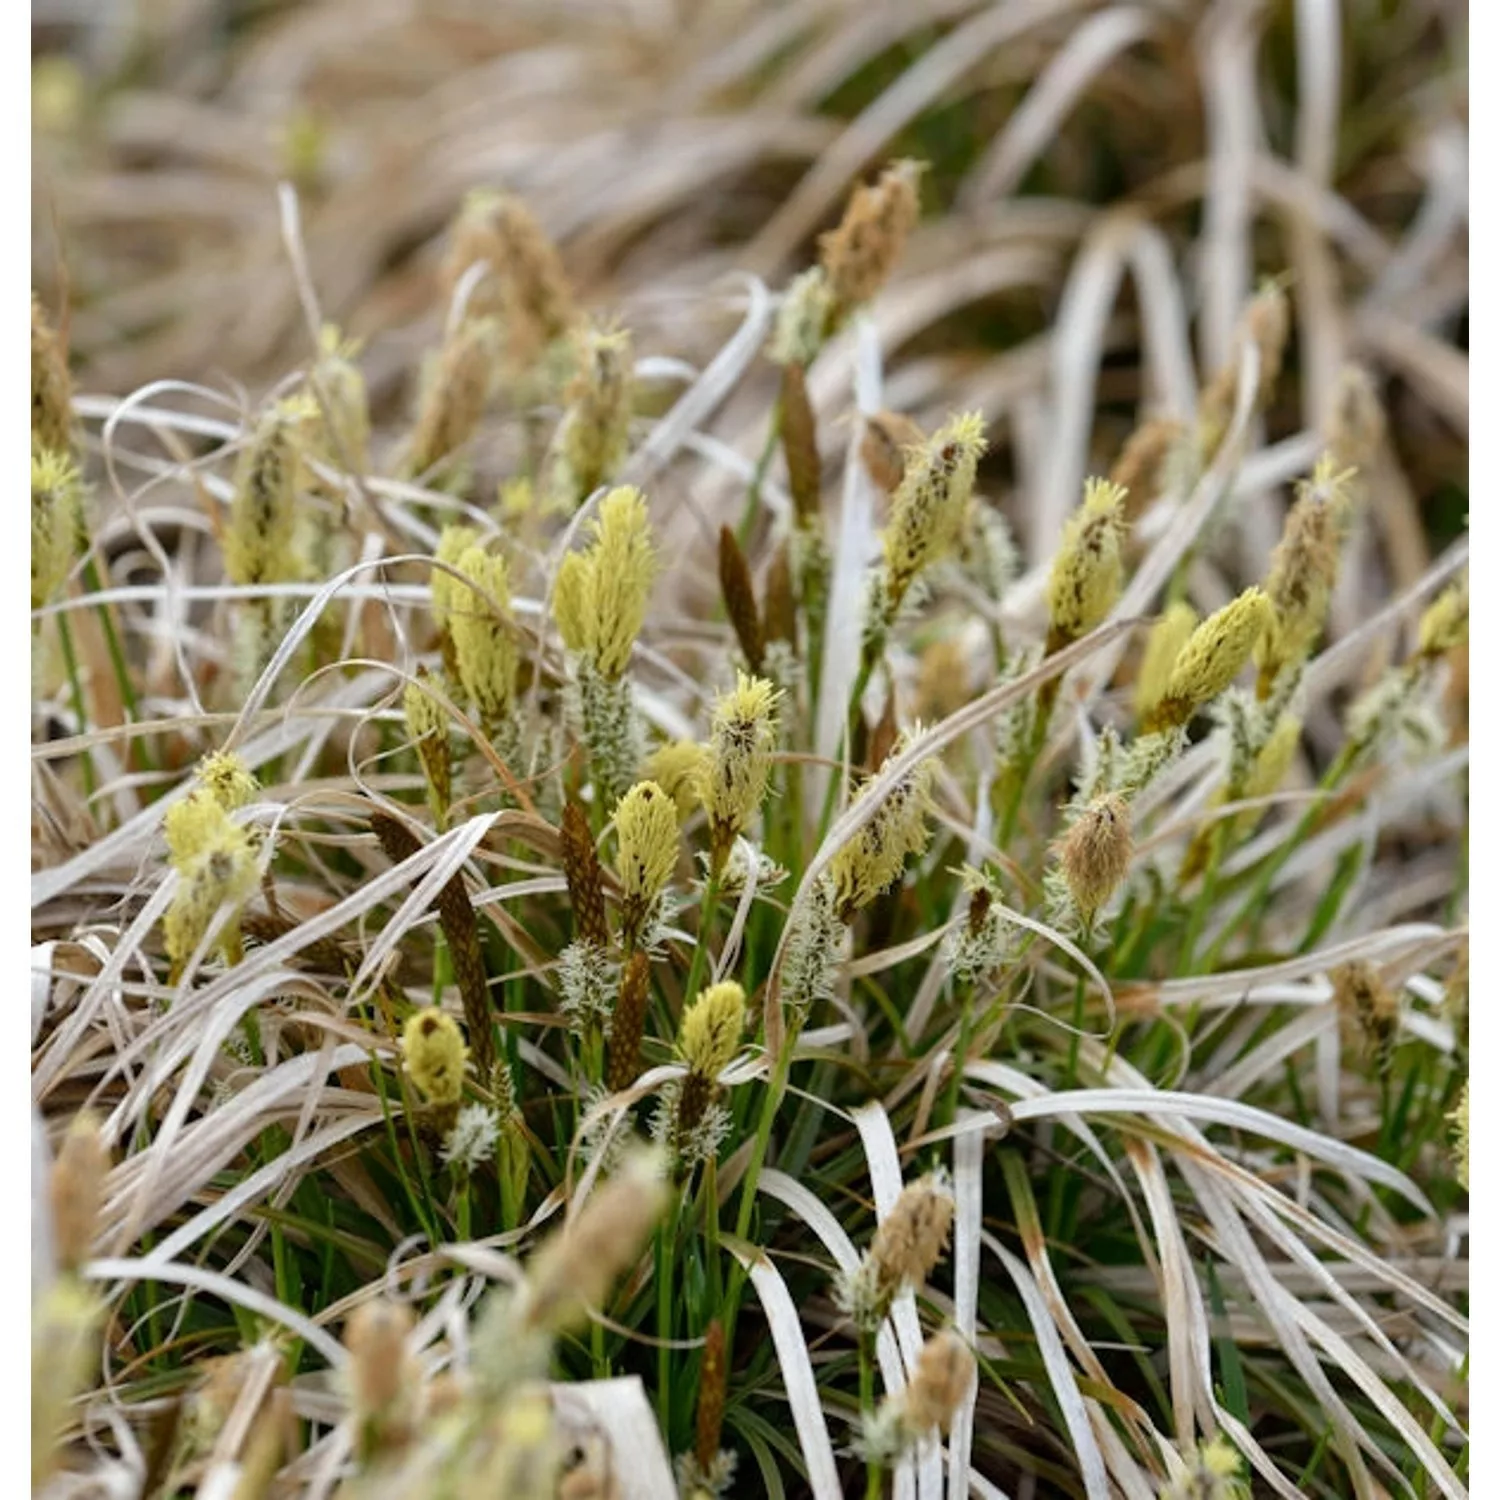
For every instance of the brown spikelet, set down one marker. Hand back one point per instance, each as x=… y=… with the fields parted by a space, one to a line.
x=1362 y=996
x=74 y=1190
x=525 y=288
x=1138 y=469
x=51 y=386
x=860 y=254
x=885 y=734
x=584 y=876
x=739 y=599
x=888 y=434
x=629 y=1024
x=322 y=954
x=945 y=1367
x=799 y=443
x=780 y=606
x=912 y=1237
x=711 y=1387
x=461 y=930
x=1096 y=852
x=455 y=396
x=381 y=1385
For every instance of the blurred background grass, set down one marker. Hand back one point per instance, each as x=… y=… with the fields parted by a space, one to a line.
x=666 y=144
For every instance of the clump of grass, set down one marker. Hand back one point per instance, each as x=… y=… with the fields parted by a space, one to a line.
x=589 y=825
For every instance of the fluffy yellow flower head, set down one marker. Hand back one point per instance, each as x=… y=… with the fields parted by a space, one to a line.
x=711 y=1028
x=227 y=779
x=433 y=1046
x=1089 y=570
x=601 y=594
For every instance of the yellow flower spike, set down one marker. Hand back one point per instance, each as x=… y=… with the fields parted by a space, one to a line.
x=600 y=597
x=216 y=864
x=872 y=861
x=1304 y=569
x=1168 y=636
x=51 y=387
x=1089 y=570
x=260 y=538
x=484 y=644
x=433 y=1047
x=1460 y=1118
x=1275 y=758
x=711 y=1029
x=646 y=822
x=1445 y=624
x=742 y=737
x=452 y=544
x=678 y=768
x=927 y=510
x=343 y=407
x=57 y=521
x=1213 y=657
x=625 y=567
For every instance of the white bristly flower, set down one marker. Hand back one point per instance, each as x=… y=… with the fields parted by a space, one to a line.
x=472 y=1139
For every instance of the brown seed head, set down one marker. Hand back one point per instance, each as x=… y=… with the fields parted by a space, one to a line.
x=454 y=395
x=75 y=1190
x=739 y=598
x=51 y=386
x=575 y=1269
x=525 y=288
x=1096 y=852
x=859 y=255
x=584 y=875
x=629 y=1023
x=1138 y=469
x=912 y=1237
x=799 y=443
x=945 y=1367
x=379 y=1372
x=712 y=1382
x=888 y=436
x=1362 y=996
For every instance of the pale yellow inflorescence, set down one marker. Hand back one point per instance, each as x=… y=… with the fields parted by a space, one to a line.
x=1089 y=569
x=601 y=593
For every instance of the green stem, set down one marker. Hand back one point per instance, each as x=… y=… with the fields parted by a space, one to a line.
x=771 y=1103
x=874 y=1476
x=1034 y=746
x=666 y=1244
x=95 y=582
x=707 y=912
x=861 y=682
x=1255 y=900
x=80 y=708
x=1204 y=903
x=758 y=478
